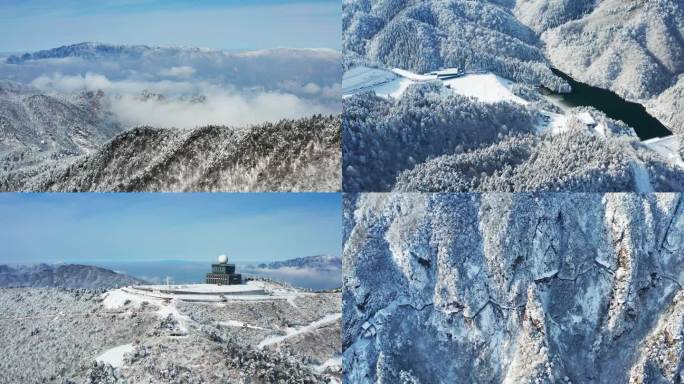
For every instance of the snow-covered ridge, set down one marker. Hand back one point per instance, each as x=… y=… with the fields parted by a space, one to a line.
x=318 y=262
x=514 y=288
x=63 y=276
x=92 y=51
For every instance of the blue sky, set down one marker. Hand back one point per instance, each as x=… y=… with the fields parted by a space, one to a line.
x=28 y=25
x=97 y=227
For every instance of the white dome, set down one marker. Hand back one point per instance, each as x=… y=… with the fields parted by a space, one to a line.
x=223 y=259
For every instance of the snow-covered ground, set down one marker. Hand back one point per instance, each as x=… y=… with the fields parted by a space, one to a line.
x=237 y=324
x=359 y=79
x=292 y=332
x=249 y=287
x=668 y=147
x=115 y=356
x=204 y=342
x=485 y=87
x=642 y=179
x=252 y=290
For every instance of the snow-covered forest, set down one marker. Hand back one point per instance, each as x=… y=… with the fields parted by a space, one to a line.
x=60 y=105
x=77 y=336
x=288 y=155
x=422 y=135
x=513 y=288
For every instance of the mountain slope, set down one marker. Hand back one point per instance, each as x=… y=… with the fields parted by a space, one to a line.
x=288 y=155
x=35 y=126
x=427 y=35
x=509 y=288
x=634 y=48
x=61 y=336
x=433 y=141
x=63 y=276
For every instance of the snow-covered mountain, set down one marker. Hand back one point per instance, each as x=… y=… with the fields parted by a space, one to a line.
x=35 y=126
x=60 y=110
x=635 y=48
x=288 y=155
x=423 y=36
x=318 y=262
x=513 y=288
x=319 y=272
x=79 y=337
x=459 y=95
x=63 y=276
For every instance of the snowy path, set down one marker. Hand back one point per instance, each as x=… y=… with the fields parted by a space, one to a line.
x=114 y=356
x=292 y=332
x=332 y=362
x=238 y=324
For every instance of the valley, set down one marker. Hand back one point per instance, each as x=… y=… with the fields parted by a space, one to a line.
x=462 y=61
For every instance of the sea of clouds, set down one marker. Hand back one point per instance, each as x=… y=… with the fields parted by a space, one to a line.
x=189 y=88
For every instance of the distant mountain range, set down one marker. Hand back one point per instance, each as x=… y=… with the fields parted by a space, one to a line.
x=270 y=69
x=320 y=262
x=99 y=117
x=313 y=272
x=63 y=276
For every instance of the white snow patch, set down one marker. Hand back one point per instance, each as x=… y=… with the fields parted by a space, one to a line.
x=587 y=119
x=359 y=79
x=291 y=332
x=547 y=275
x=602 y=263
x=115 y=356
x=553 y=123
x=117 y=298
x=238 y=324
x=486 y=87
x=333 y=362
x=413 y=76
x=641 y=179
x=667 y=147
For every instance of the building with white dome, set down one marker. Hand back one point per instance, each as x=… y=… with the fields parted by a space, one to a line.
x=223 y=273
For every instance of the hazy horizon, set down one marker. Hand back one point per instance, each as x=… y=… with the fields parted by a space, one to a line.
x=149 y=227
x=226 y=25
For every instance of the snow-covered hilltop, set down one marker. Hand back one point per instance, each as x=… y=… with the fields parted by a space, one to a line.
x=635 y=48
x=455 y=96
x=513 y=288
x=259 y=332
x=288 y=155
x=72 y=276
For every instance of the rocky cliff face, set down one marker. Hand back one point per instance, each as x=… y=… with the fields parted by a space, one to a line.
x=513 y=288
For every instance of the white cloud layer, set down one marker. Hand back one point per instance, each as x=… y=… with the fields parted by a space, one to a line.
x=181 y=107
x=182 y=71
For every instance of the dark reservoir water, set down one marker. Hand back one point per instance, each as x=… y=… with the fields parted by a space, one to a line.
x=614 y=106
